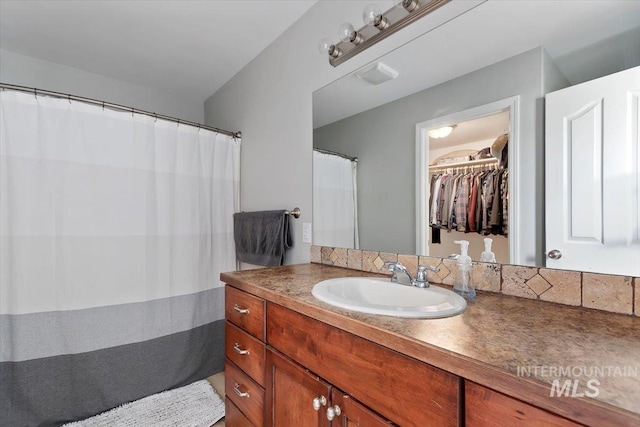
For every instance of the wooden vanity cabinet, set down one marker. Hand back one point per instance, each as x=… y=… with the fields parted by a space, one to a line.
x=245 y=354
x=279 y=361
x=401 y=389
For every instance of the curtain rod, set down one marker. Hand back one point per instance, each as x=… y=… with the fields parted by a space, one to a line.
x=118 y=107
x=334 y=153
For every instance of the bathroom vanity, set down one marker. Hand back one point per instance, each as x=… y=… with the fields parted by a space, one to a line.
x=294 y=360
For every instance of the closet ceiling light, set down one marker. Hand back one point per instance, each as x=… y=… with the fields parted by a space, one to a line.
x=377 y=73
x=441 y=132
x=378 y=26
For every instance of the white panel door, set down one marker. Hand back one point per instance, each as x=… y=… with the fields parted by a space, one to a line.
x=592 y=179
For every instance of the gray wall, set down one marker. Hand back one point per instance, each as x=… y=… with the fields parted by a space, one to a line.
x=31 y=72
x=270 y=102
x=387 y=172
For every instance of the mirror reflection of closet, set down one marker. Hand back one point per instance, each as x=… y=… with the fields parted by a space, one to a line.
x=470 y=168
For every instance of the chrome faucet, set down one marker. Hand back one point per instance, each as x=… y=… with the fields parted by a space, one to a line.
x=421 y=276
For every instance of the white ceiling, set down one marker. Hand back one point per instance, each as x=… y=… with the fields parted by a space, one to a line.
x=484 y=128
x=585 y=38
x=186 y=47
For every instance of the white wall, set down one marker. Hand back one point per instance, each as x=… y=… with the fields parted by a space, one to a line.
x=31 y=72
x=270 y=101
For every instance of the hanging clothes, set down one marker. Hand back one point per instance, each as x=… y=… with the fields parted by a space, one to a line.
x=470 y=202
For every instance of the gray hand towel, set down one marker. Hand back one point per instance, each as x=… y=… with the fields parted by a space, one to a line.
x=262 y=237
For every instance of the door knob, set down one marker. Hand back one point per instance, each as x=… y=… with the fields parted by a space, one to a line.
x=318 y=402
x=554 y=254
x=332 y=412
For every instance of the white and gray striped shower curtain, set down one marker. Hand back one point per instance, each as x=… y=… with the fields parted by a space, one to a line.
x=114 y=228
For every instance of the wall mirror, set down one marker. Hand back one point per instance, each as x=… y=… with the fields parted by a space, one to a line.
x=508 y=55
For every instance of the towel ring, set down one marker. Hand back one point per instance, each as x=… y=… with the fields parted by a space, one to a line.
x=295 y=212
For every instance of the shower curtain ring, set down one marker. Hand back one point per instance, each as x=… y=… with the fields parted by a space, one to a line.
x=155 y=116
x=69 y=97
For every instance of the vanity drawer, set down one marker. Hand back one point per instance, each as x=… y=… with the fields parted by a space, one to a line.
x=245 y=311
x=233 y=416
x=245 y=351
x=245 y=393
x=401 y=389
x=488 y=408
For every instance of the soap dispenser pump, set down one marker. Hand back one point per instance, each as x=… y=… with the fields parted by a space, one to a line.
x=487 y=255
x=462 y=284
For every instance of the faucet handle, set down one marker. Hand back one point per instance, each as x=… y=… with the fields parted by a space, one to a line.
x=421 y=275
x=423 y=269
x=392 y=266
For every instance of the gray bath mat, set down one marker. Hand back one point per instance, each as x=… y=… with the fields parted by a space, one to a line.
x=194 y=405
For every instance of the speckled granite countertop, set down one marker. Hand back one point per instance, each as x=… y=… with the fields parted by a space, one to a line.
x=512 y=345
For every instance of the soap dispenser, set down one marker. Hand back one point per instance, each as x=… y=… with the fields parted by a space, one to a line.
x=487 y=255
x=462 y=284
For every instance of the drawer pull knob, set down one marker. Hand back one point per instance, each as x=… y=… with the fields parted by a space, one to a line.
x=240 y=310
x=236 y=388
x=238 y=350
x=333 y=411
x=318 y=402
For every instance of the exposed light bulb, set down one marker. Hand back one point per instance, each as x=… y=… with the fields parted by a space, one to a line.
x=324 y=46
x=327 y=48
x=347 y=33
x=345 y=30
x=372 y=15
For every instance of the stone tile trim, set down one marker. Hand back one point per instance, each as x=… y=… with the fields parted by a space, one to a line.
x=616 y=294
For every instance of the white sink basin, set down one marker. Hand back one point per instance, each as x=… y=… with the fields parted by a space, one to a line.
x=377 y=296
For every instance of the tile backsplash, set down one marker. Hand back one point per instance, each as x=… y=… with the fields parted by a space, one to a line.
x=617 y=294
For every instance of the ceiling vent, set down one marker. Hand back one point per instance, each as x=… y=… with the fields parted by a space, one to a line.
x=377 y=73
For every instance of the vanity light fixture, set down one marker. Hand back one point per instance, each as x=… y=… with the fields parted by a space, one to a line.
x=378 y=26
x=442 y=132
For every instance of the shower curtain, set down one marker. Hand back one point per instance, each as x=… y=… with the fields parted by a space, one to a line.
x=114 y=228
x=335 y=201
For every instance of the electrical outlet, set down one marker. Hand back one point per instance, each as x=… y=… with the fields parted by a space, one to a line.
x=306 y=232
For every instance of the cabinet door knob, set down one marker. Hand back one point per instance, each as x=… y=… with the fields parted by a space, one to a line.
x=319 y=402
x=333 y=411
x=238 y=350
x=236 y=388
x=240 y=310
x=555 y=254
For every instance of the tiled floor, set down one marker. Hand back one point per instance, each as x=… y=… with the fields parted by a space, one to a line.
x=217 y=381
